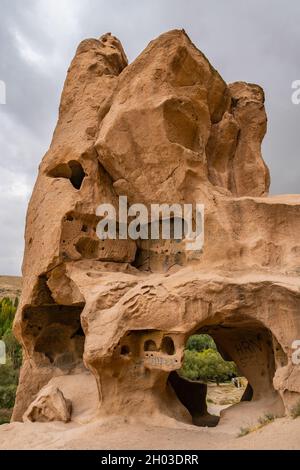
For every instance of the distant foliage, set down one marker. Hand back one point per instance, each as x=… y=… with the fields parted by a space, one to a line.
x=8 y=310
x=8 y=385
x=13 y=349
x=203 y=362
x=295 y=411
x=9 y=372
x=200 y=343
x=7 y=314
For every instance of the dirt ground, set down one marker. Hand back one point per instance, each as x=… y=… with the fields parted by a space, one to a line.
x=10 y=286
x=225 y=393
x=283 y=433
x=158 y=431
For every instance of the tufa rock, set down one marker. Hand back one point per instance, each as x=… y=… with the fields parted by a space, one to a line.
x=50 y=405
x=164 y=129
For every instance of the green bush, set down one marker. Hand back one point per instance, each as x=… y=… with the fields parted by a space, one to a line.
x=7 y=313
x=7 y=396
x=5 y=416
x=203 y=362
x=8 y=384
x=207 y=365
x=9 y=372
x=13 y=348
x=200 y=343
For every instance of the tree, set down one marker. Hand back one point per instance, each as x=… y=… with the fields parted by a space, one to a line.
x=203 y=362
x=200 y=343
x=13 y=348
x=7 y=314
x=9 y=372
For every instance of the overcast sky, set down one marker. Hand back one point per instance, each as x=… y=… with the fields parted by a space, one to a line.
x=254 y=40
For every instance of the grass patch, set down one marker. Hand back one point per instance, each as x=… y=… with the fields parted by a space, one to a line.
x=244 y=432
x=262 y=421
x=266 y=419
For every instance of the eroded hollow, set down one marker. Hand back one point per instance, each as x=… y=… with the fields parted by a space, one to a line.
x=125 y=350
x=150 y=345
x=55 y=333
x=72 y=171
x=87 y=247
x=247 y=344
x=159 y=255
x=167 y=346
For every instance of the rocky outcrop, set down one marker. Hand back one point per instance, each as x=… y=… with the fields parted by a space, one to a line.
x=164 y=129
x=50 y=405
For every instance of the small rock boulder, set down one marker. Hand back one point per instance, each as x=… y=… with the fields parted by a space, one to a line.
x=50 y=405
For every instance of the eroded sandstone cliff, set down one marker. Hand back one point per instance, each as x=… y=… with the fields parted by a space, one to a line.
x=164 y=129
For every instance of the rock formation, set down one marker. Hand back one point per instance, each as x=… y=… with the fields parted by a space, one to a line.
x=164 y=129
x=50 y=405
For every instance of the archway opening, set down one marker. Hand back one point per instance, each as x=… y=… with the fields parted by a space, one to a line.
x=217 y=382
x=225 y=364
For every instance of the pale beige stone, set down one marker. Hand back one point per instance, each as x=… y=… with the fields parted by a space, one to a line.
x=163 y=129
x=50 y=405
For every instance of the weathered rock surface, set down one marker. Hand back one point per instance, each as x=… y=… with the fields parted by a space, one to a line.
x=50 y=405
x=164 y=129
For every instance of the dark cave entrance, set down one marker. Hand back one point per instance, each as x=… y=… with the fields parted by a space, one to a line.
x=252 y=351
